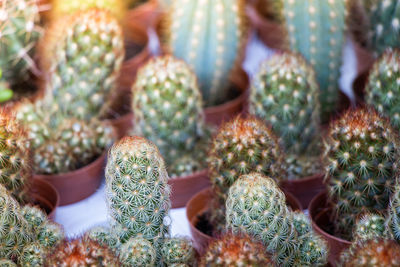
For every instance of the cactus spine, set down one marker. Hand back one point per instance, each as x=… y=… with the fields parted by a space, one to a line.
x=209 y=35
x=316 y=30
x=361 y=159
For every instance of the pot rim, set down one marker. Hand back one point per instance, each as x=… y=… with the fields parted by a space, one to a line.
x=305 y=179
x=52 y=213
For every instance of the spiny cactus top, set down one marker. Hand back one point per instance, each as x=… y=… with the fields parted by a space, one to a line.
x=370 y=226
x=383 y=87
x=178 y=250
x=105 y=237
x=235 y=250
x=316 y=30
x=82 y=55
x=19 y=24
x=137 y=252
x=167 y=107
x=209 y=35
x=137 y=189
x=362 y=160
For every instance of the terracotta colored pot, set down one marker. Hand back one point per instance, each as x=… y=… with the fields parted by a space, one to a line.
x=77 y=185
x=45 y=196
x=200 y=204
x=320 y=215
x=183 y=188
x=305 y=189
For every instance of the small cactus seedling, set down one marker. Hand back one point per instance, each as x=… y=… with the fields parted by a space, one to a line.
x=209 y=35
x=137 y=252
x=361 y=159
x=235 y=251
x=316 y=30
x=178 y=251
x=82 y=55
x=383 y=87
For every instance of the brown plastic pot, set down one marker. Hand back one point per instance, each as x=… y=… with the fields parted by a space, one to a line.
x=305 y=189
x=44 y=195
x=77 y=185
x=320 y=212
x=200 y=203
x=183 y=188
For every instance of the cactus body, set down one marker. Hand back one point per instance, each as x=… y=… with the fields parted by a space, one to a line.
x=394 y=211
x=33 y=255
x=138 y=252
x=7 y=263
x=178 y=251
x=105 y=237
x=361 y=160
x=209 y=35
x=316 y=30
x=370 y=226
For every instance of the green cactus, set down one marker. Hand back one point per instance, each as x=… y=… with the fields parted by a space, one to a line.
x=33 y=255
x=137 y=190
x=383 y=86
x=394 y=212
x=178 y=251
x=82 y=55
x=168 y=110
x=105 y=237
x=20 y=30
x=7 y=263
x=138 y=252
x=235 y=251
x=210 y=37
x=361 y=160
x=316 y=30
x=370 y=226
x=257 y=207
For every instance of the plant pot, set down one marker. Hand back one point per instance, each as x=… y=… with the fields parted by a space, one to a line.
x=200 y=203
x=79 y=184
x=44 y=195
x=320 y=212
x=304 y=189
x=183 y=188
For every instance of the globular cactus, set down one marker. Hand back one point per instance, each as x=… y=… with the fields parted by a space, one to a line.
x=137 y=252
x=383 y=86
x=361 y=159
x=137 y=190
x=370 y=226
x=257 y=207
x=168 y=109
x=210 y=36
x=81 y=55
x=33 y=255
x=235 y=251
x=316 y=30
x=178 y=250
x=105 y=237
x=20 y=31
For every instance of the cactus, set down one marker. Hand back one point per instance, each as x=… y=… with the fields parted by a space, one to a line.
x=7 y=263
x=19 y=24
x=383 y=86
x=33 y=255
x=361 y=159
x=178 y=251
x=210 y=36
x=137 y=190
x=316 y=30
x=235 y=250
x=256 y=207
x=138 y=252
x=370 y=226
x=105 y=237
x=394 y=212
x=167 y=108
x=82 y=55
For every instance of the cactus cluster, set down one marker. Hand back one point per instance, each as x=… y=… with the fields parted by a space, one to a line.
x=177 y=251
x=209 y=36
x=257 y=207
x=361 y=160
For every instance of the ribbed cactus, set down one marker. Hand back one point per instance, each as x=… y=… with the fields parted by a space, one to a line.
x=361 y=160
x=257 y=207
x=383 y=86
x=137 y=190
x=235 y=250
x=168 y=110
x=178 y=250
x=210 y=36
x=82 y=55
x=19 y=24
x=316 y=30
x=137 y=252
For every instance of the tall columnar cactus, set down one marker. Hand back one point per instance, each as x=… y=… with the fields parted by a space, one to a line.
x=82 y=55
x=256 y=207
x=209 y=35
x=178 y=250
x=383 y=87
x=19 y=24
x=167 y=107
x=137 y=190
x=137 y=252
x=361 y=159
x=316 y=30
x=235 y=250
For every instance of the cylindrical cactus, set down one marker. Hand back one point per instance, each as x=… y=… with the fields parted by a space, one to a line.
x=383 y=86
x=178 y=250
x=82 y=55
x=361 y=159
x=210 y=36
x=137 y=251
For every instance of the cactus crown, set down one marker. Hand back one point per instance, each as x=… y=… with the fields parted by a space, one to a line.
x=104 y=237
x=370 y=226
x=361 y=159
x=178 y=250
x=383 y=87
x=137 y=252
